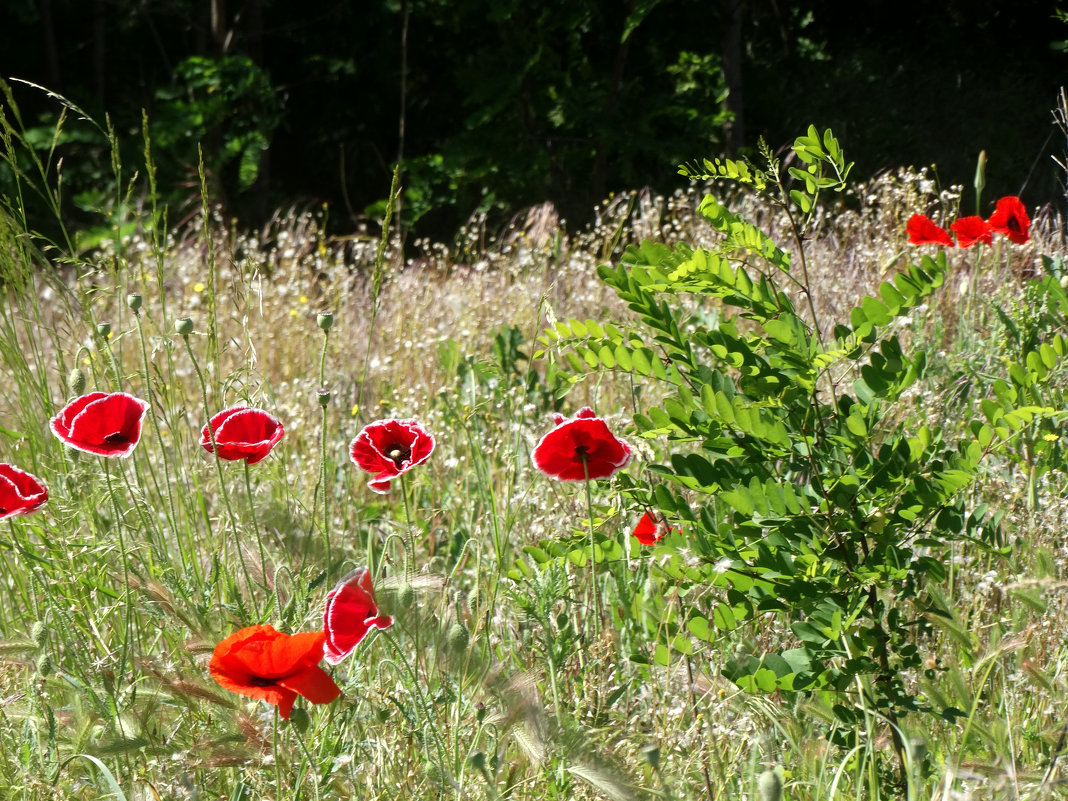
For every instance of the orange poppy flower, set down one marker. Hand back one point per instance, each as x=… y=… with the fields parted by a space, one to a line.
x=262 y=663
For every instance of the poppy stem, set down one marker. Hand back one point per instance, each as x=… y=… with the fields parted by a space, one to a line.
x=323 y=486
x=408 y=534
x=127 y=607
x=218 y=461
x=596 y=602
x=255 y=524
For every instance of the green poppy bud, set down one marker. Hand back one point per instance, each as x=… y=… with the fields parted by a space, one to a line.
x=457 y=638
x=478 y=761
x=769 y=785
x=44 y=665
x=406 y=596
x=76 y=381
x=299 y=718
x=651 y=754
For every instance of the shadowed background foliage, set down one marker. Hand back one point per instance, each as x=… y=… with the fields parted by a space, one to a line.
x=492 y=105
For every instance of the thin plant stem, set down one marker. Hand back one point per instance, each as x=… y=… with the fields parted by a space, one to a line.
x=187 y=558
x=255 y=524
x=127 y=607
x=323 y=484
x=376 y=281
x=597 y=621
x=218 y=461
x=409 y=536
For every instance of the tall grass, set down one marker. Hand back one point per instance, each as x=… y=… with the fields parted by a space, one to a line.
x=493 y=683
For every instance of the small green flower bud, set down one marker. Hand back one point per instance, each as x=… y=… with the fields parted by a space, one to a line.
x=323 y=396
x=300 y=719
x=769 y=785
x=184 y=326
x=39 y=633
x=76 y=381
x=480 y=711
x=650 y=752
x=478 y=761
x=406 y=596
x=44 y=665
x=324 y=320
x=103 y=329
x=133 y=300
x=457 y=638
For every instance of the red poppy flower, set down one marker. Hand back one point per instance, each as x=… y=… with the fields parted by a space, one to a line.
x=243 y=433
x=923 y=231
x=20 y=492
x=389 y=448
x=107 y=425
x=1010 y=218
x=970 y=230
x=262 y=663
x=580 y=448
x=351 y=611
x=651 y=530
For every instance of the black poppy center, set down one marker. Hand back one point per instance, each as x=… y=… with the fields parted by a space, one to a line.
x=399 y=454
x=260 y=681
x=116 y=438
x=582 y=452
x=1014 y=225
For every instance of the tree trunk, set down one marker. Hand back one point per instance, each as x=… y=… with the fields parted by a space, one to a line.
x=732 y=72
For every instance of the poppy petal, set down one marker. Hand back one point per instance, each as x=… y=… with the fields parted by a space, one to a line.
x=313 y=683
x=1011 y=220
x=970 y=230
x=107 y=425
x=922 y=230
x=351 y=611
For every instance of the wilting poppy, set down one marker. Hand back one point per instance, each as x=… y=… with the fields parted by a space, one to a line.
x=389 y=448
x=970 y=230
x=262 y=663
x=651 y=530
x=243 y=433
x=580 y=448
x=1010 y=218
x=20 y=492
x=351 y=611
x=107 y=425
x=923 y=231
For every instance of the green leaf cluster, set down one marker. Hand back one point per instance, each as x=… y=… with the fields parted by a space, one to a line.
x=790 y=463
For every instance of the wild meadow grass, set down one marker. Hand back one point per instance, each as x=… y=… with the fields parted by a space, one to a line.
x=497 y=680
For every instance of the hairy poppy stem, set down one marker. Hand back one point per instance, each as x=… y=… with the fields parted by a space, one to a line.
x=255 y=524
x=218 y=461
x=409 y=537
x=596 y=604
x=127 y=607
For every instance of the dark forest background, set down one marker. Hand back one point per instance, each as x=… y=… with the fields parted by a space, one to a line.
x=495 y=105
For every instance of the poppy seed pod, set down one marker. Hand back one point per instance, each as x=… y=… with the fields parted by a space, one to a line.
x=324 y=320
x=184 y=326
x=133 y=300
x=323 y=396
x=76 y=381
x=103 y=329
